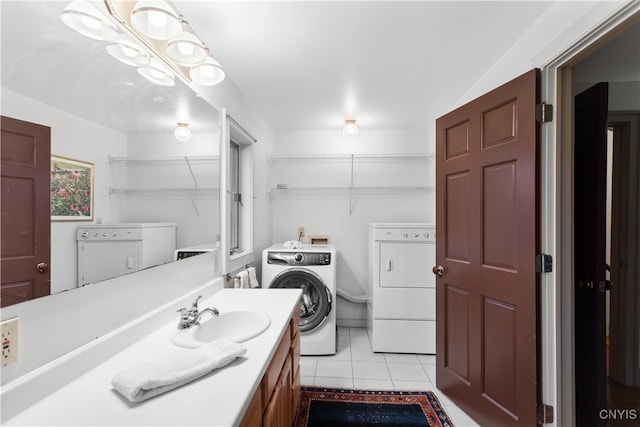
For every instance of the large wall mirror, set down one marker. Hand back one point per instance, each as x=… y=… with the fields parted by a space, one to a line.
x=103 y=113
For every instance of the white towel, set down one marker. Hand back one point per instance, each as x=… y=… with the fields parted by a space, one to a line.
x=243 y=278
x=253 y=279
x=146 y=381
x=292 y=244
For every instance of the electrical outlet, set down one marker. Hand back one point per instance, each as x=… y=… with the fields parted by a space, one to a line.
x=9 y=330
x=300 y=231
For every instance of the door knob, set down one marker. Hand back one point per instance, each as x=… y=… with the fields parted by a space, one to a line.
x=42 y=267
x=605 y=285
x=438 y=270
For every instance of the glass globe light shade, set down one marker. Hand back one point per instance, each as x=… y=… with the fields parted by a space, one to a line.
x=84 y=18
x=128 y=52
x=186 y=49
x=350 y=128
x=182 y=132
x=155 y=19
x=157 y=73
x=208 y=73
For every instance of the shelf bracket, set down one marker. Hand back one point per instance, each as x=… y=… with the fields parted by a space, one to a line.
x=193 y=176
x=351 y=189
x=193 y=203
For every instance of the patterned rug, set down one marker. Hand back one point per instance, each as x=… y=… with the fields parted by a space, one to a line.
x=322 y=407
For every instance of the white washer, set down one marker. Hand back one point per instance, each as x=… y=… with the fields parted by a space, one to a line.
x=311 y=268
x=402 y=307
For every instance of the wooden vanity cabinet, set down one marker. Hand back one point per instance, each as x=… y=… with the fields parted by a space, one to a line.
x=276 y=400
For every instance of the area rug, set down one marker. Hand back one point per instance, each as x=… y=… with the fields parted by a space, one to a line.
x=324 y=407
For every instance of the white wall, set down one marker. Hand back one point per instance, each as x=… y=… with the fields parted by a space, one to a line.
x=79 y=139
x=329 y=213
x=562 y=25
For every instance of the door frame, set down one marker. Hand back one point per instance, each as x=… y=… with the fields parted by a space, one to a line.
x=556 y=215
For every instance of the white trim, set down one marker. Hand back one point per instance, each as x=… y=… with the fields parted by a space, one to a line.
x=556 y=225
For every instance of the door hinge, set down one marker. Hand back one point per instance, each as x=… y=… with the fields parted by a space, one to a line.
x=544 y=263
x=544 y=113
x=544 y=414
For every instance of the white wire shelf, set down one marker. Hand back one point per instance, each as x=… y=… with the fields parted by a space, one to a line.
x=164 y=160
x=351 y=157
x=357 y=189
x=165 y=191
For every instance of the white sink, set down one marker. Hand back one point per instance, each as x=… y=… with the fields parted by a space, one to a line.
x=234 y=325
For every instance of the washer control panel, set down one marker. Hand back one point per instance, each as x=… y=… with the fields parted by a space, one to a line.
x=299 y=258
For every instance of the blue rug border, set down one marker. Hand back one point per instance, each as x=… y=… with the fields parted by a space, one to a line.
x=442 y=414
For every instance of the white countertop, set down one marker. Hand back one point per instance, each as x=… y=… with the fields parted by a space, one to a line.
x=218 y=399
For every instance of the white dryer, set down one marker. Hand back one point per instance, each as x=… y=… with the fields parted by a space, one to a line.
x=311 y=268
x=402 y=307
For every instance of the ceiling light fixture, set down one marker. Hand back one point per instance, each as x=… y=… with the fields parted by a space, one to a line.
x=156 y=39
x=350 y=128
x=84 y=18
x=155 y=19
x=182 y=132
x=207 y=73
x=128 y=52
x=158 y=27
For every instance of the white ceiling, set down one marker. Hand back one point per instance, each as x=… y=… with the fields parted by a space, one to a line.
x=303 y=65
x=389 y=64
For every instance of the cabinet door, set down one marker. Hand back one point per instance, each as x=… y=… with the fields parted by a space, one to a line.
x=288 y=411
x=253 y=416
x=279 y=411
x=295 y=371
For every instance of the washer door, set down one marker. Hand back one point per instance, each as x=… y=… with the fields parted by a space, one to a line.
x=315 y=304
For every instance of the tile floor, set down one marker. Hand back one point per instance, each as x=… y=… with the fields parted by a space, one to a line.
x=356 y=366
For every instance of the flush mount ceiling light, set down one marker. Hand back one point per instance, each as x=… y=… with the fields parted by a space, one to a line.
x=350 y=128
x=128 y=52
x=157 y=73
x=182 y=132
x=186 y=48
x=155 y=19
x=84 y=18
x=207 y=73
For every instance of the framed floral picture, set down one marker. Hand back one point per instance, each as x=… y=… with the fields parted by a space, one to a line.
x=71 y=189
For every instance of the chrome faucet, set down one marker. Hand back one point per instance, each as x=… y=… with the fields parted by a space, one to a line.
x=192 y=316
x=214 y=312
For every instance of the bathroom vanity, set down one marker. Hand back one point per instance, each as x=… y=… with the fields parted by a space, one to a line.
x=275 y=401
x=259 y=389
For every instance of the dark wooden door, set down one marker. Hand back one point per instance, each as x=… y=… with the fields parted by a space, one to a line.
x=486 y=219
x=590 y=180
x=26 y=218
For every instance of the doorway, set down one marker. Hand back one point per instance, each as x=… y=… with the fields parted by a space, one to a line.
x=622 y=337
x=620 y=395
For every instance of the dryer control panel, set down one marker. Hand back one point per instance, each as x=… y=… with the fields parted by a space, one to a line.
x=299 y=258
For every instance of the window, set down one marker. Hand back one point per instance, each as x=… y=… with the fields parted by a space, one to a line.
x=236 y=171
x=235 y=198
